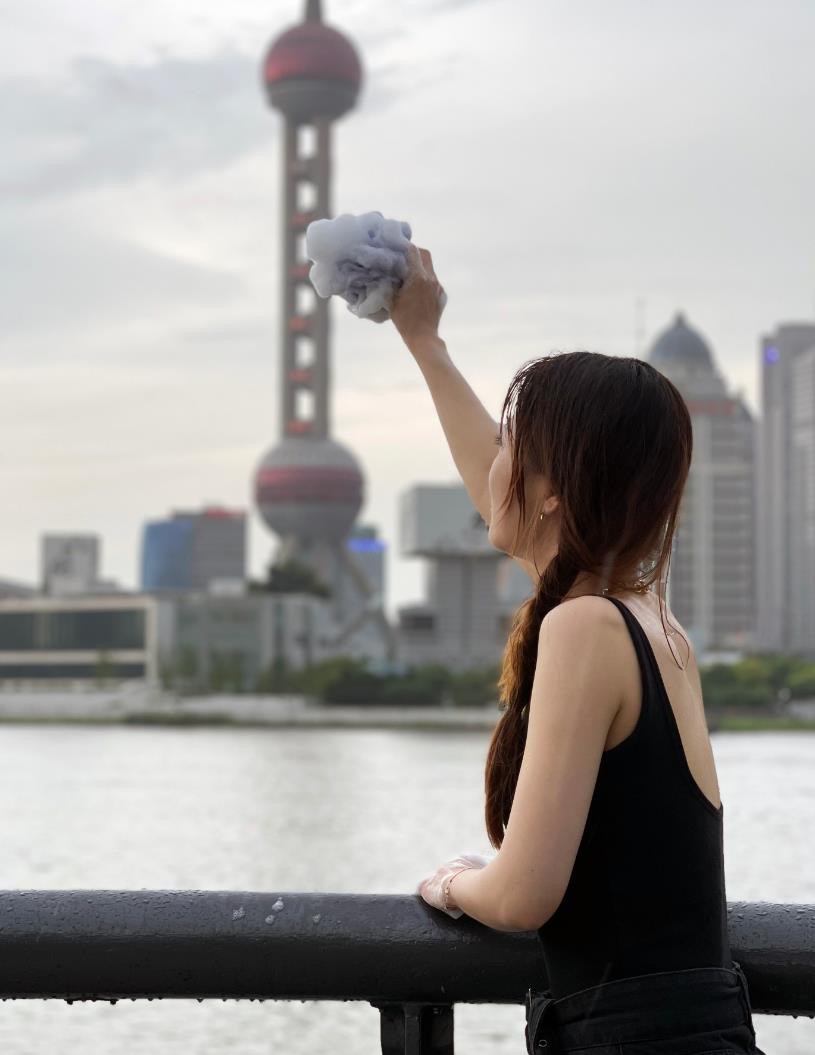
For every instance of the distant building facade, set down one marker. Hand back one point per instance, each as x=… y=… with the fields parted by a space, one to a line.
x=359 y=592
x=463 y=621
x=191 y=550
x=786 y=505
x=246 y=635
x=69 y=566
x=78 y=639
x=712 y=580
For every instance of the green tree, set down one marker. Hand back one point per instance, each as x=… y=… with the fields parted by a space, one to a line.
x=278 y=677
x=315 y=677
x=802 y=682
x=225 y=671
x=179 y=669
x=104 y=669
x=338 y=679
x=475 y=688
x=425 y=685
x=353 y=685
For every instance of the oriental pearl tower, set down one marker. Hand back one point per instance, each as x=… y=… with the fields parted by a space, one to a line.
x=308 y=487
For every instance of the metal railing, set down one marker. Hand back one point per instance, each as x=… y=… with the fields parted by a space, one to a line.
x=410 y=962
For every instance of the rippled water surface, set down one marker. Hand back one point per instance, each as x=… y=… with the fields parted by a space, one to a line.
x=339 y=810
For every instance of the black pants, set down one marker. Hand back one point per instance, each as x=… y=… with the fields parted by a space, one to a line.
x=698 y=1011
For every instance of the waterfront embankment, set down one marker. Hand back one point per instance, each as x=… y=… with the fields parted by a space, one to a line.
x=135 y=704
x=132 y=704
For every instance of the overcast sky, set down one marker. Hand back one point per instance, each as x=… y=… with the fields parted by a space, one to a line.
x=561 y=159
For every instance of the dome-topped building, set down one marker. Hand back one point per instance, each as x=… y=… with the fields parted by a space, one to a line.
x=712 y=585
x=681 y=346
x=682 y=354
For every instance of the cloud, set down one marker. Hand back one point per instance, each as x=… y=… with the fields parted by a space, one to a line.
x=107 y=123
x=58 y=275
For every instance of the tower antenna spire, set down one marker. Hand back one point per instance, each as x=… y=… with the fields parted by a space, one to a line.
x=314 y=11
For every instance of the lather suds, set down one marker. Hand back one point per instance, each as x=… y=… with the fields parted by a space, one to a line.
x=363 y=259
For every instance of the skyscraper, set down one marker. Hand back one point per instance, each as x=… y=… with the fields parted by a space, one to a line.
x=712 y=574
x=193 y=550
x=786 y=503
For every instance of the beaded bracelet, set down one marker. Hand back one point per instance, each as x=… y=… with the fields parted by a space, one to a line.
x=450 y=879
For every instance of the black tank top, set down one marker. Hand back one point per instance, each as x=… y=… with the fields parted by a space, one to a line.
x=647 y=890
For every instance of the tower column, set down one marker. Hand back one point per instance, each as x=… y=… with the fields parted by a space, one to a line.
x=309 y=487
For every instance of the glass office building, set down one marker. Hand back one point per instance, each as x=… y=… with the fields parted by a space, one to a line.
x=76 y=639
x=191 y=550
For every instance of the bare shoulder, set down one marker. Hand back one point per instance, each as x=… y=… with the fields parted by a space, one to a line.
x=580 y=650
x=591 y=631
x=578 y=620
x=577 y=610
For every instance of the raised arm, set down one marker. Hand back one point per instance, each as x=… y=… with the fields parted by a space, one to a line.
x=470 y=430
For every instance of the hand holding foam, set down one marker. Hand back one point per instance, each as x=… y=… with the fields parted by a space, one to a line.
x=364 y=259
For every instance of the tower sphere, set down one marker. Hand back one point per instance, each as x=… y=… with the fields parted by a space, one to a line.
x=311 y=488
x=312 y=70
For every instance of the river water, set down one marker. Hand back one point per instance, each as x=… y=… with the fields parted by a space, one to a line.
x=341 y=810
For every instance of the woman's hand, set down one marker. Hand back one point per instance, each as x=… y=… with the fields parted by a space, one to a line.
x=432 y=886
x=417 y=307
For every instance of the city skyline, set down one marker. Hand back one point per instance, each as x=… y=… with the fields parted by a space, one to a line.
x=141 y=361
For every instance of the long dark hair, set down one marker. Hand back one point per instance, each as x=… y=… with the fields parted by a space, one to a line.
x=614 y=438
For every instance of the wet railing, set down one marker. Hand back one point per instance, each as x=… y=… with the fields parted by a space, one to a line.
x=412 y=963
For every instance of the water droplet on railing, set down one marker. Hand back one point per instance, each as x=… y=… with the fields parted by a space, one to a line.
x=316 y=919
x=238 y=913
x=278 y=905
x=269 y=919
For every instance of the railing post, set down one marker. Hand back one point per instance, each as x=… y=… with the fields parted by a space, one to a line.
x=415 y=1029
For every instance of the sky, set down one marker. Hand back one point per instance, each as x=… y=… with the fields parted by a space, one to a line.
x=580 y=171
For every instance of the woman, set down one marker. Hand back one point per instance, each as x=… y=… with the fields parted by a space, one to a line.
x=601 y=788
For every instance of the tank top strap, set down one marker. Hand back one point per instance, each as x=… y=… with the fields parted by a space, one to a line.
x=656 y=709
x=650 y=673
x=642 y=646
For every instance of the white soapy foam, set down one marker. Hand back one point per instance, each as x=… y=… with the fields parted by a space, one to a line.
x=363 y=259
